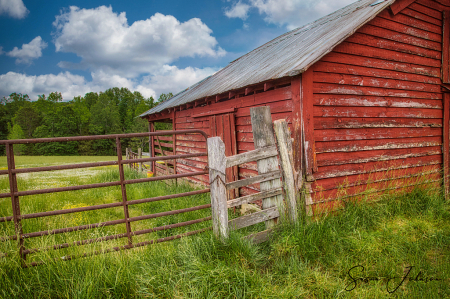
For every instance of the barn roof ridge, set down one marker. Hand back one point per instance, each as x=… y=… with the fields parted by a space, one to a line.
x=289 y=54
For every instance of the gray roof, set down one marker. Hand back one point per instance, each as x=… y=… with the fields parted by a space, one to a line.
x=287 y=55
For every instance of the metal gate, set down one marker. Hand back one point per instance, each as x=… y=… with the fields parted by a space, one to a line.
x=15 y=194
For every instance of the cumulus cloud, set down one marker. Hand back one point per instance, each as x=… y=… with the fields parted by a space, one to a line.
x=29 y=51
x=13 y=8
x=292 y=13
x=105 y=41
x=168 y=79
x=238 y=10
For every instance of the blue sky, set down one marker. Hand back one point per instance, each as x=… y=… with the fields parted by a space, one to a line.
x=75 y=47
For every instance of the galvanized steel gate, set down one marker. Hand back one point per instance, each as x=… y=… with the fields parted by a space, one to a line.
x=15 y=194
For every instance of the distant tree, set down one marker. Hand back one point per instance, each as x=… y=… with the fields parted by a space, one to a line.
x=16 y=132
x=3 y=127
x=164 y=97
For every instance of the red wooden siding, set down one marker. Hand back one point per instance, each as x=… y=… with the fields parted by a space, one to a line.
x=280 y=102
x=378 y=109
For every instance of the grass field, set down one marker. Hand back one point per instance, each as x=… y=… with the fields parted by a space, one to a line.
x=363 y=252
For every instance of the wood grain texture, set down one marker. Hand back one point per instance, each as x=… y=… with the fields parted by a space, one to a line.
x=217 y=167
x=248 y=220
x=263 y=137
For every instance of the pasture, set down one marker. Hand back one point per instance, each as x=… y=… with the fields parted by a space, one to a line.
x=319 y=259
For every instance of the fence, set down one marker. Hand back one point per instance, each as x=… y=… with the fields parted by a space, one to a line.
x=15 y=194
x=271 y=194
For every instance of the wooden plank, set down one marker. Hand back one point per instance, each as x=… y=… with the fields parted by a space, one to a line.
x=399 y=5
x=307 y=99
x=340 y=68
x=403 y=40
x=259 y=237
x=190 y=150
x=169 y=145
x=369 y=178
x=251 y=198
x=421 y=15
x=246 y=120
x=373 y=91
x=353 y=169
x=436 y=14
x=194 y=144
x=411 y=22
x=432 y=4
x=358 y=80
x=362 y=189
x=163 y=152
x=264 y=98
x=393 y=44
x=284 y=143
x=377 y=144
x=445 y=48
x=374 y=133
x=214 y=112
x=263 y=137
x=256 y=179
x=374 y=101
x=297 y=124
x=407 y=29
x=384 y=112
x=152 y=149
x=217 y=167
x=446 y=147
x=275 y=107
x=367 y=51
x=255 y=218
x=254 y=155
x=234 y=150
x=328 y=159
x=321 y=123
x=381 y=63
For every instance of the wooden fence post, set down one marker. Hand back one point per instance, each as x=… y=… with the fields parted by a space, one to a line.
x=217 y=166
x=127 y=156
x=263 y=136
x=140 y=157
x=287 y=168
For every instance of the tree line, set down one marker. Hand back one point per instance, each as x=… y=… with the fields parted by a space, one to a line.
x=113 y=111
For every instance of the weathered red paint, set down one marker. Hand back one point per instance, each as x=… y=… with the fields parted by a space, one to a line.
x=399 y=5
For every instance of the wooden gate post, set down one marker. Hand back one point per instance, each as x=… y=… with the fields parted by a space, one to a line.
x=287 y=168
x=140 y=157
x=263 y=136
x=217 y=166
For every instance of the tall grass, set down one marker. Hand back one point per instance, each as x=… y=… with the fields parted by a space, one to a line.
x=302 y=260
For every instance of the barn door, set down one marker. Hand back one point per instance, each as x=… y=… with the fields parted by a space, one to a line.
x=223 y=126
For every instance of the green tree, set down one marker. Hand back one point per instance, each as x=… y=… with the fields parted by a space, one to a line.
x=105 y=119
x=16 y=132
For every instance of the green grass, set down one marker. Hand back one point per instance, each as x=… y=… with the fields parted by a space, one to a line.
x=35 y=161
x=301 y=261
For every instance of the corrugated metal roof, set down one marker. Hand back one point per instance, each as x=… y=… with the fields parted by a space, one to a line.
x=287 y=55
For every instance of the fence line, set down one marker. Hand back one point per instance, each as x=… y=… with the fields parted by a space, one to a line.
x=133 y=159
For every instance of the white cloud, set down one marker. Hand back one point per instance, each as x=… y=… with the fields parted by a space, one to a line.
x=295 y=13
x=13 y=8
x=105 y=41
x=172 y=79
x=238 y=10
x=168 y=79
x=29 y=51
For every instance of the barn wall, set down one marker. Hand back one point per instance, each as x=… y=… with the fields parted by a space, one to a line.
x=378 y=106
x=280 y=102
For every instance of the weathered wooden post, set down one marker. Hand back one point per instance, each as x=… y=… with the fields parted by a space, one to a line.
x=127 y=156
x=140 y=157
x=263 y=136
x=287 y=168
x=217 y=166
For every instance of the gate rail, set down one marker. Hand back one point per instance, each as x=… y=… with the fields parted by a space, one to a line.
x=14 y=194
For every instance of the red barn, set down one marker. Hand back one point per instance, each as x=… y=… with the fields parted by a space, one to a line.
x=363 y=89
